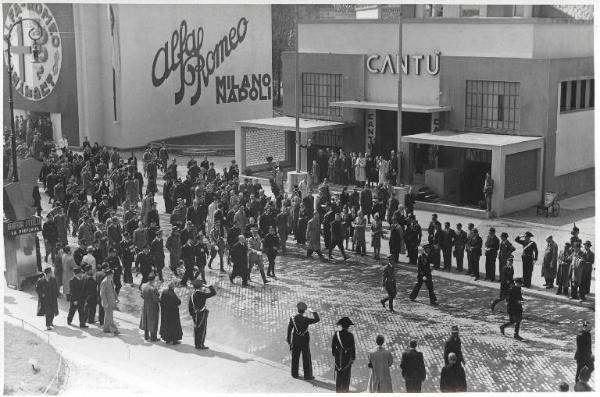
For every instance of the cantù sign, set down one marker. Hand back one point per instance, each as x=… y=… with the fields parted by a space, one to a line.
x=388 y=64
x=182 y=55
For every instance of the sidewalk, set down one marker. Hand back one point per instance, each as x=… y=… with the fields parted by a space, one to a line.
x=129 y=364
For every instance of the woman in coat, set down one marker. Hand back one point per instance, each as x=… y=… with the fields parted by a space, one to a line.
x=170 y=322
x=150 y=310
x=380 y=361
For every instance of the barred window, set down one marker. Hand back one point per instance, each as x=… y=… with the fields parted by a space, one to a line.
x=318 y=90
x=492 y=105
x=576 y=95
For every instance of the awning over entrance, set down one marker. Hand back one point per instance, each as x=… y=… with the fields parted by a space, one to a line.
x=390 y=106
x=286 y=123
x=471 y=140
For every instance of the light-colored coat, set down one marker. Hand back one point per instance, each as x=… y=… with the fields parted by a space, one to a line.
x=380 y=380
x=313 y=235
x=150 y=311
x=69 y=266
x=108 y=295
x=550 y=260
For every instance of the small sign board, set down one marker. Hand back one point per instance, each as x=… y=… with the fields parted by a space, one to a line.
x=24 y=226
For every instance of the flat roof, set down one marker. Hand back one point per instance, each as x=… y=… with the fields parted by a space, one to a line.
x=473 y=140
x=461 y=20
x=390 y=106
x=289 y=124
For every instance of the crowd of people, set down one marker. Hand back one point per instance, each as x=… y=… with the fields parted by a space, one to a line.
x=98 y=197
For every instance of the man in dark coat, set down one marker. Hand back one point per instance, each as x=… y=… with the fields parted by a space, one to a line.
x=144 y=264
x=506 y=281
x=199 y=312
x=188 y=255
x=453 y=378
x=413 y=368
x=270 y=245
x=529 y=257
x=50 y=235
x=47 y=291
x=460 y=242
x=157 y=250
x=474 y=244
x=239 y=257
x=77 y=299
x=505 y=250
x=90 y=290
x=298 y=339
x=424 y=275
x=448 y=238
x=514 y=308
x=337 y=236
x=587 y=264
x=454 y=346
x=492 y=245
x=389 y=284
x=583 y=354
x=366 y=202
x=343 y=350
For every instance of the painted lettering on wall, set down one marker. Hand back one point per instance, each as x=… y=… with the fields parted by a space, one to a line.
x=371 y=121
x=182 y=55
x=34 y=80
x=253 y=87
x=388 y=64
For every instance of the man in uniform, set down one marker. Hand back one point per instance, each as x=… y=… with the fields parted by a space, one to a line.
x=199 y=312
x=343 y=350
x=389 y=283
x=424 y=275
x=298 y=339
x=514 y=308
x=460 y=243
x=530 y=256
x=474 y=244
x=492 y=245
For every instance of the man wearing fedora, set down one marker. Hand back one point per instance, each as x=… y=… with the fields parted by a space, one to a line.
x=454 y=345
x=343 y=350
x=199 y=312
x=47 y=290
x=389 y=284
x=77 y=298
x=298 y=339
x=492 y=245
x=413 y=368
x=514 y=308
x=108 y=300
x=549 y=262
x=424 y=275
x=150 y=309
x=584 y=353
x=587 y=261
x=529 y=256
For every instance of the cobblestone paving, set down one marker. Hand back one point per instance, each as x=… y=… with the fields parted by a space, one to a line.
x=255 y=320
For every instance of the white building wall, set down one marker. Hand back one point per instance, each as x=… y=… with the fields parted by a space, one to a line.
x=574 y=141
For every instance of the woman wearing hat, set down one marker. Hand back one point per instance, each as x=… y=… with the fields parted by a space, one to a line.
x=562 y=275
x=344 y=352
x=170 y=322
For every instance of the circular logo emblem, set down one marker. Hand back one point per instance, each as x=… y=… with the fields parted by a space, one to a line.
x=33 y=78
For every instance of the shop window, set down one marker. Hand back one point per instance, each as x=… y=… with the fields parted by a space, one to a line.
x=318 y=91
x=492 y=105
x=521 y=173
x=576 y=95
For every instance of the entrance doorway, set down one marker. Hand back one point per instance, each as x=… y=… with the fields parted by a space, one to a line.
x=47 y=124
x=473 y=180
x=387 y=129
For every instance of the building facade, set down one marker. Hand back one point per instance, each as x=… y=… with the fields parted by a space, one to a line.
x=131 y=75
x=510 y=96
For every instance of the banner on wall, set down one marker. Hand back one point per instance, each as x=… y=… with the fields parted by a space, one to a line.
x=371 y=129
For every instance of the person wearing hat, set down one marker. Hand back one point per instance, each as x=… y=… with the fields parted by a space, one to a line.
x=506 y=281
x=239 y=257
x=144 y=264
x=549 y=263
x=563 y=277
x=492 y=245
x=576 y=270
x=343 y=350
x=150 y=309
x=413 y=368
x=77 y=299
x=424 y=275
x=389 y=284
x=452 y=377
x=582 y=383
x=270 y=244
x=108 y=301
x=529 y=256
x=313 y=236
x=127 y=255
x=157 y=251
x=448 y=237
x=170 y=321
x=50 y=235
x=90 y=290
x=88 y=259
x=298 y=339
x=454 y=346
x=47 y=290
x=587 y=262
x=514 y=308
x=380 y=361
x=584 y=354
x=173 y=244
x=113 y=261
x=217 y=244
x=505 y=250
x=575 y=236
x=199 y=312
x=474 y=246
x=188 y=255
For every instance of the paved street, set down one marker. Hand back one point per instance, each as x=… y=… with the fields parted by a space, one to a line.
x=254 y=320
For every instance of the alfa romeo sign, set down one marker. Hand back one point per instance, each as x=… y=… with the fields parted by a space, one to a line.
x=33 y=80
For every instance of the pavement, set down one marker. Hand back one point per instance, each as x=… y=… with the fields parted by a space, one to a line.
x=253 y=320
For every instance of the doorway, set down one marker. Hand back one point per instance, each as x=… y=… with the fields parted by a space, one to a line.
x=473 y=180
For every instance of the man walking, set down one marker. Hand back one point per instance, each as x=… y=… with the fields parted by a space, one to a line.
x=413 y=368
x=199 y=312
x=424 y=275
x=343 y=350
x=313 y=236
x=298 y=339
x=583 y=355
x=380 y=361
x=47 y=291
x=77 y=299
x=587 y=262
x=453 y=378
x=514 y=309
x=529 y=256
x=550 y=262
x=389 y=284
x=109 y=300
x=454 y=346
x=492 y=245
x=337 y=236
x=150 y=310
x=506 y=281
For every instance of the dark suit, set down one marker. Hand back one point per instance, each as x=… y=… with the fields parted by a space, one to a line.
x=343 y=350
x=90 y=289
x=413 y=370
x=453 y=345
x=492 y=243
x=514 y=308
x=77 y=301
x=459 y=248
x=583 y=354
x=337 y=237
x=474 y=244
x=448 y=238
x=197 y=215
x=298 y=338
x=423 y=275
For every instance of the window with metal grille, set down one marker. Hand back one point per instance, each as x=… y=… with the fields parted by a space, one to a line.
x=492 y=105
x=328 y=138
x=318 y=90
x=576 y=95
